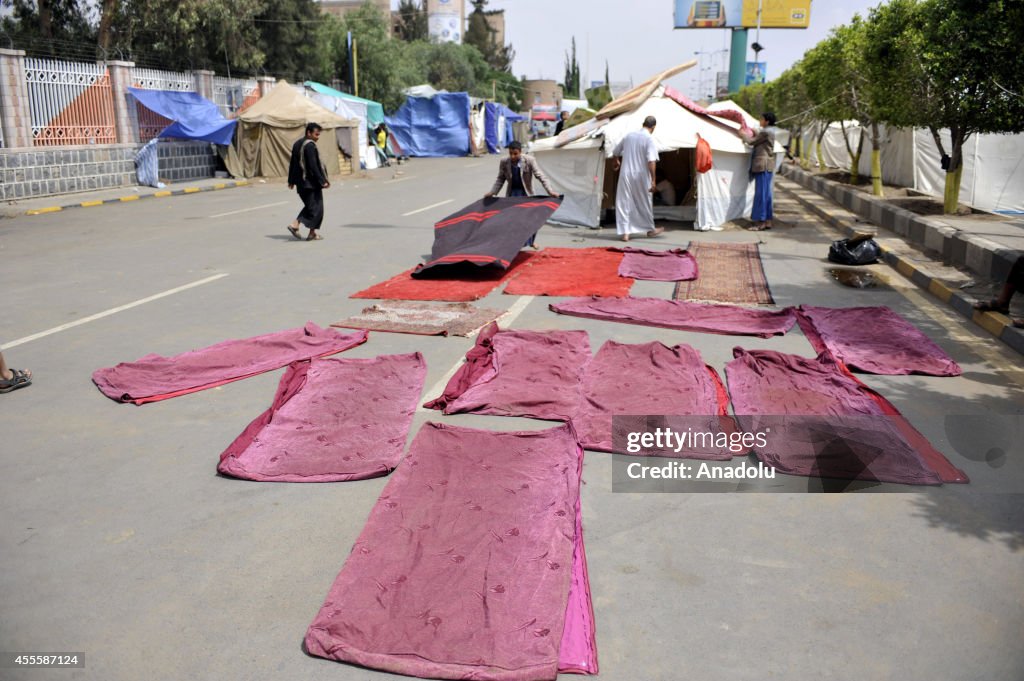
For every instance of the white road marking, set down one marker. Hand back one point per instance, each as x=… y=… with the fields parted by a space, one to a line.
x=507 y=319
x=420 y=210
x=246 y=210
x=107 y=313
x=400 y=179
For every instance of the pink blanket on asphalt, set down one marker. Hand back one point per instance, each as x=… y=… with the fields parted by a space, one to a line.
x=674 y=265
x=875 y=340
x=519 y=373
x=681 y=315
x=153 y=378
x=331 y=420
x=821 y=421
x=471 y=564
x=650 y=379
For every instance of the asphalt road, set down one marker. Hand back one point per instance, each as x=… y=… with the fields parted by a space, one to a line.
x=119 y=539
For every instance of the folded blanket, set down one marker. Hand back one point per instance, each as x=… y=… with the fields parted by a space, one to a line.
x=153 y=378
x=673 y=265
x=471 y=564
x=331 y=420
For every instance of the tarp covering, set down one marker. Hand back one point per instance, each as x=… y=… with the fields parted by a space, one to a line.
x=268 y=128
x=681 y=315
x=494 y=127
x=153 y=377
x=488 y=232
x=650 y=379
x=672 y=265
x=572 y=272
x=194 y=117
x=147 y=165
x=432 y=126
x=331 y=420
x=875 y=340
x=367 y=112
x=857 y=434
x=519 y=373
x=471 y=564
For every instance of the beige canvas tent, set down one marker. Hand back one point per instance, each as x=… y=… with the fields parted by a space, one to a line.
x=268 y=128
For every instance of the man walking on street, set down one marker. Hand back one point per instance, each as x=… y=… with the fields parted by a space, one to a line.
x=309 y=176
x=636 y=157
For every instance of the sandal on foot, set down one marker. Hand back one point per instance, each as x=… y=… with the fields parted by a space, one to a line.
x=20 y=379
x=992 y=306
x=314 y=237
x=657 y=231
x=295 y=232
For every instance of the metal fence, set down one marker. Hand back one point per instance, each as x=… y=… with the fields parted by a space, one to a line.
x=233 y=95
x=149 y=123
x=69 y=103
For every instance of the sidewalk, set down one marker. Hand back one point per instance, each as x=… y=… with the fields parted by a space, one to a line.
x=53 y=204
x=908 y=251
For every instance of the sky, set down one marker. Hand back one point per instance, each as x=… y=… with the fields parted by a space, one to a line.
x=637 y=39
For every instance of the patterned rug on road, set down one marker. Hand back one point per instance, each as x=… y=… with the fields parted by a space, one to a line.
x=453 y=283
x=423 y=319
x=729 y=273
x=572 y=272
x=471 y=564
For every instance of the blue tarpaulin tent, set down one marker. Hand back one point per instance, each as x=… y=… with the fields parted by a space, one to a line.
x=432 y=126
x=498 y=125
x=194 y=117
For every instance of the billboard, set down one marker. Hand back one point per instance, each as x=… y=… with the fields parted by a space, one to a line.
x=445 y=20
x=742 y=13
x=756 y=72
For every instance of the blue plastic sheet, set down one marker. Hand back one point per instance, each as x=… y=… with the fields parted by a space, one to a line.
x=147 y=165
x=432 y=126
x=194 y=117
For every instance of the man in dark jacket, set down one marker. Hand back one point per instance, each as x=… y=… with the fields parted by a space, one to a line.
x=309 y=176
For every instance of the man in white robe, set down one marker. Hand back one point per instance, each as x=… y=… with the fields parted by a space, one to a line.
x=635 y=159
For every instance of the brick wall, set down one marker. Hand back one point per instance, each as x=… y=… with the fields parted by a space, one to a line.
x=47 y=171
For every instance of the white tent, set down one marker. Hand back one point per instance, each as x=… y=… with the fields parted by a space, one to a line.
x=723 y=193
x=347 y=108
x=993 y=175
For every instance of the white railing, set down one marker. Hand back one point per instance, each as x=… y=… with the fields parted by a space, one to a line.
x=69 y=102
x=232 y=95
x=154 y=79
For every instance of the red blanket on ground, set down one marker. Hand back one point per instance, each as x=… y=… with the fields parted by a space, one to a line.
x=571 y=272
x=875 y=340
x=673 y=265
x=519 y=373
x=153 y=378
x=681 y=315
x=650 y=379
x=471 y=564
x=331 y=420
x=453 y=284
x=821 y=421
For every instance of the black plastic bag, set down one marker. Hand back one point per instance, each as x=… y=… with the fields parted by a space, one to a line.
x=854 y=251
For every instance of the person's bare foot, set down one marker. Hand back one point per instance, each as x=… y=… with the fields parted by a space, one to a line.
x=657 y=231
x=624 y=237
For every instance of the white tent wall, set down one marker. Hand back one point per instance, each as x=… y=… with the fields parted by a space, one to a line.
x=896 y=156
x=476 y=129
x=350 y=109
x=577 y=171
x=725 y=192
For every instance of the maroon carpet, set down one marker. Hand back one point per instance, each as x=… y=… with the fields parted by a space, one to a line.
x=471 y=564
x=874 y=340
x=673 y=265
x=331 y=420
x=681 y=315
x=823 y=422
x=153 y=378
x=519 y=373
x=650 y=379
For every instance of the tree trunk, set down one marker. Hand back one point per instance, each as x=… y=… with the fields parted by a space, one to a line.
x=46 y=21
x=876 y=161
x=951 y=196
x=108 y=9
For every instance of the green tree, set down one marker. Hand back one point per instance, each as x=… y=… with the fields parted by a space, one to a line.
x=382 y=68
x=289 y=32
x=412 y=21
x=571 y=83
x=950 y=64
x=480 y=35
x=49 y=28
